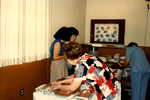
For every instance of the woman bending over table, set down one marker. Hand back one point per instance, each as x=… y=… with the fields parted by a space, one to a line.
x=89 y=70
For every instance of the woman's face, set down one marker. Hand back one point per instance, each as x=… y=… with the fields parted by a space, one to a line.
x=73 y=38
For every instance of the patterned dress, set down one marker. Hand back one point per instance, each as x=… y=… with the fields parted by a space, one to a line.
x=93 y=72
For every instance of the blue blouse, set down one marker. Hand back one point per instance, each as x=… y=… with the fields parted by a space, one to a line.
x=52 y=48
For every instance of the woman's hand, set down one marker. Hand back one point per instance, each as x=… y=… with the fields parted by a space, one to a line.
x=125 y=64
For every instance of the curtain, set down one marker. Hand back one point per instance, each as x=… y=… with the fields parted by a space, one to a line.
x=24 y=31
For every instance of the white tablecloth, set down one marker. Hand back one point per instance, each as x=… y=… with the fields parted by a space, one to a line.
x=40 y=96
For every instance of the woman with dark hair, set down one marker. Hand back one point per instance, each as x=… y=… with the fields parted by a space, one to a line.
x=140 y=70
x=89 y=70
x=58 y=67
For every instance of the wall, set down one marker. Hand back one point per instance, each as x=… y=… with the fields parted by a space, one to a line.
x=27 y=76
x=133 y=11
x=69 y=13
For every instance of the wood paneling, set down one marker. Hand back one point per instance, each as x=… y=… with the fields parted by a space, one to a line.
x=27 y=76
x=111 y=51
x=147 y=52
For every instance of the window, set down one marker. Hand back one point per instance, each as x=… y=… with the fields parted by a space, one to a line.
x=24 y=31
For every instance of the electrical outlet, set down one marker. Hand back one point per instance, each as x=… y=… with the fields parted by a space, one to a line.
x=21 y=92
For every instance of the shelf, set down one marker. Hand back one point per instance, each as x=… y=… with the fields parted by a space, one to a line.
x=115 y=46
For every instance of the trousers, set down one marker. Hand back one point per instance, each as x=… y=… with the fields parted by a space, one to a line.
x=139 y=82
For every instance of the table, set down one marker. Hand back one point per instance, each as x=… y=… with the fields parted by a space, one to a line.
x=39 y=95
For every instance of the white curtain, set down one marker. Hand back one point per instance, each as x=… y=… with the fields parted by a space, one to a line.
x=24 y=31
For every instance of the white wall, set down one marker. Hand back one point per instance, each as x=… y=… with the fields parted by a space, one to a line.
x=133 y=11
x=69 y=13
x=78 y=13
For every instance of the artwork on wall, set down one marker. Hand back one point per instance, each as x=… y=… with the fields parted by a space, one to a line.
x=108 y=31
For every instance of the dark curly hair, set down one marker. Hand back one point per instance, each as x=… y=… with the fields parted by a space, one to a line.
x=73 y=50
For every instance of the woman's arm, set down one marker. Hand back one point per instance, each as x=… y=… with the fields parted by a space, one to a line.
x=72 y=87
x=57 y=48
x=125 y=64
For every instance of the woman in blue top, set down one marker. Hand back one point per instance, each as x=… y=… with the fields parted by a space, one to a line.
x=140 y=70
x=58 y=67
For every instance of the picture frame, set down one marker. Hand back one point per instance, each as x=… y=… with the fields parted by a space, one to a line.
x=107 y=31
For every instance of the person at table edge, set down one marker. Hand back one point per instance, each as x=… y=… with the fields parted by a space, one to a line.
x=140 y=70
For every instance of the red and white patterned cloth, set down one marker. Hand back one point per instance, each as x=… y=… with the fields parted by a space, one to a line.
x=94 y=72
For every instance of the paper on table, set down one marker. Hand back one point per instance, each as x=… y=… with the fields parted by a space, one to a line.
x=113 y=60
x=45 y=89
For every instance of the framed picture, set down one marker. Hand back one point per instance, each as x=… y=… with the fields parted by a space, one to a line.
x=108 y=31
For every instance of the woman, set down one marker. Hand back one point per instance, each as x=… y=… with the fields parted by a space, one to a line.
x=89 y=70
x=58 y=67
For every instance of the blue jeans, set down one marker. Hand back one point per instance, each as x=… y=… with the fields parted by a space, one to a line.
x=139 y=81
